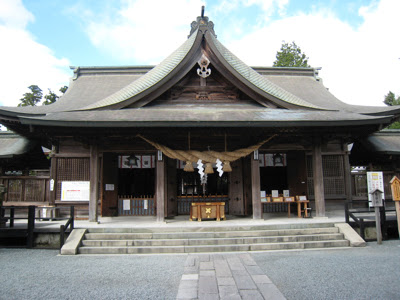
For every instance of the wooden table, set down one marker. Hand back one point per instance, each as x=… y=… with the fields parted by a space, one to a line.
x=207 y=210
x=304 y=207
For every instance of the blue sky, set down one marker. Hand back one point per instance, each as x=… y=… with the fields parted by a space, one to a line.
x=355 y=42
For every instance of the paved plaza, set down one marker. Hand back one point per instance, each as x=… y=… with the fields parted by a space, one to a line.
x=372 y=272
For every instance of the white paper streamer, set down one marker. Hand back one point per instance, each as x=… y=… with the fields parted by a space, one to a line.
x=219 y=167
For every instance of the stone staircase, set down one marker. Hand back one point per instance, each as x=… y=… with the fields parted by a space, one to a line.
x=210 y=239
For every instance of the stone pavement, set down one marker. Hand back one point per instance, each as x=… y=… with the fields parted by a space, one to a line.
x=225 y=276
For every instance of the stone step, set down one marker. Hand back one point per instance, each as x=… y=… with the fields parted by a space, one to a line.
x=210 y=228
x=211 y=241
x=214 y=248
x=203 y=235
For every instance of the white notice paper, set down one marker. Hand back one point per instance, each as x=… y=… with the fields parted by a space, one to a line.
x=126 y=204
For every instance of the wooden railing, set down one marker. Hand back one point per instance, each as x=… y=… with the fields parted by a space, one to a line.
x=129 y=205
x=358 y=214
x=31 y=214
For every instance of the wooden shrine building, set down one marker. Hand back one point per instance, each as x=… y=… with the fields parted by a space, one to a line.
x=141 y=132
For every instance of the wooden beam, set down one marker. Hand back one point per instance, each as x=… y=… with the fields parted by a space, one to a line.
x=94 y=183
x=53 y=180
x=256 y=188
x=318 y=179
x=160 y=190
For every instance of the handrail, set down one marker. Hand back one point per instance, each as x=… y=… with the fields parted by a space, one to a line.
x=69 y=225
x=64 y=228
x=360 y=221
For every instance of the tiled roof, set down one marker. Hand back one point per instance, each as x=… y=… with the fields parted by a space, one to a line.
x=149 y=79
x=258 y=80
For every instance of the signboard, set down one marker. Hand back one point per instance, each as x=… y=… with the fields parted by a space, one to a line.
x=75 y=190
x=375 y=182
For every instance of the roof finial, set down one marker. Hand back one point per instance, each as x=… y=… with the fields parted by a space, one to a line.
x=202 y=11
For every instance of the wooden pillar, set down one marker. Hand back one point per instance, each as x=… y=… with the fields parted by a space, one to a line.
x=256 y=189
x=53 y=180
x=94 y=183
x=318 y=179
x=160 y=189
x=347 y=174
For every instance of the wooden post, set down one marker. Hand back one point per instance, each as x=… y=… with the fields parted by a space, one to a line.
x=347 y=174
x=53 y=180
x=318 y=179
x=94 y=182
x=378 y=225
x=256 y=189
x=160 y=190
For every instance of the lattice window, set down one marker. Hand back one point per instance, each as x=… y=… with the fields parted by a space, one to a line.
x=72 y=169
x=333 y=172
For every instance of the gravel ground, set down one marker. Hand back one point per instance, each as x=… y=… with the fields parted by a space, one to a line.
x=43 y=274
x=372 y=272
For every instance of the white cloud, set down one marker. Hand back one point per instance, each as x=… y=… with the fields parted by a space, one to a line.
x=359 y=65
x=23 y=60
x=144 y=31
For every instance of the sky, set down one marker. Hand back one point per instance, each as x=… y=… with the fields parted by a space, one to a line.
x=355 y=42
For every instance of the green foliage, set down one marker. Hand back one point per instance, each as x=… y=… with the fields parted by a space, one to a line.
x=63 y=89
x=50 y=98
x=290 y=55
x=35 y=96
x=390 y=99
x=32 y=98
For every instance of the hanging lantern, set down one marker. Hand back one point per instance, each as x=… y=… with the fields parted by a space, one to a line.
x=227 y=166
x=132 y=161
x=209 y=169
x=188 y=167
x=278 y=159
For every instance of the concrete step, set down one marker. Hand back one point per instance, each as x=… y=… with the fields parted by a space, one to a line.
x=210 y=241
x=213 y=248
x=210 y=228
x=203 y=235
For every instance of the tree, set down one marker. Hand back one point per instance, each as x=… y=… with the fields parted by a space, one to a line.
x=63 y=89
x=36 y=94
x=290 y=55
x=50 y=98
x=32 y=98
x=391 y=100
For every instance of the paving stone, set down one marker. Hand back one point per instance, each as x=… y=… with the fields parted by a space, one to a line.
x=270 y=291
x=244 y=282
x=251 y=295
x=207 y=273
x=208 y=285
x=261 y=279
x=190 y=277
x=254 y=270
x=235 y=297
x=206 y=265
x=247 y=259
x=225 y=281
x=235 y=263
x=208 y=296
x=187 y=294
x=222 y=268
x=188 y=284
x=240 y=272
x=228 y=291
x=204 y=257
x=217 y=257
